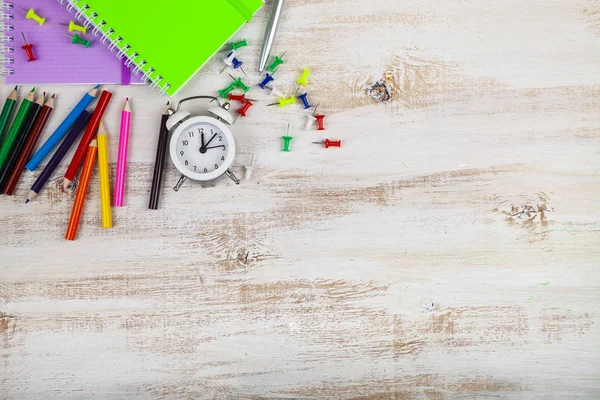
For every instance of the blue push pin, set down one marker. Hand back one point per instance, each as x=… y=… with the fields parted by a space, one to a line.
x=265 y=82
x=303 y=98
x=238 y=64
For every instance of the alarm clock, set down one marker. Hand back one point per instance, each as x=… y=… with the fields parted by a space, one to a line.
x=202 y=147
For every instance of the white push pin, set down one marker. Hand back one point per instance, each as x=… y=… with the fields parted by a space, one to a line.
x=228 y=61
x=276 y=92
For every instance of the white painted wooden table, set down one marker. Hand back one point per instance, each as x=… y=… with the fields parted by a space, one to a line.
x=450 y=248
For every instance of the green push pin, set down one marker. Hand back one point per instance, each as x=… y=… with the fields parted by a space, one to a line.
x=78 y=40
x=276 y=63
x=225 y=92
x=286 y=140
x=240 y=44
x=239 y=84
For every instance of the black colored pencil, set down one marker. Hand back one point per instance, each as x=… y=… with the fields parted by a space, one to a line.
x=161 y=152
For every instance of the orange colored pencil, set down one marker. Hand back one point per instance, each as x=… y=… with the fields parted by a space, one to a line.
x=88 y=166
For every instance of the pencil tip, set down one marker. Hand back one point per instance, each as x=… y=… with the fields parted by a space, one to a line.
x=126 y=98
x=17 y=87
x=53 y=94
x=27 y=201
x=168 y=102
x=97 y=87
x=32 y=90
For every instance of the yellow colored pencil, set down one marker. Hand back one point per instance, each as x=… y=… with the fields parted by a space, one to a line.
x=104 y=177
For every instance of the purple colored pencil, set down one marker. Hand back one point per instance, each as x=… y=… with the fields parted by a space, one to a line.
x=62 y=151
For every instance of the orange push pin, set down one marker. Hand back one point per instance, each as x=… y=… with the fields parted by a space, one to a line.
x=30 y=14
x=28 y=49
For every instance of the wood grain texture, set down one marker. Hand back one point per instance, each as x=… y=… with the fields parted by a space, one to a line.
x=449 y=250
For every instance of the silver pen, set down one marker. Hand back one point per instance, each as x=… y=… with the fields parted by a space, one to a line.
x=270 y=33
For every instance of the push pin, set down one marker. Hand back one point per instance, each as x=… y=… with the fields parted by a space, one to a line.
x=74 y=27
x=238 y=64
x=277 y=61
x=30 y=14
x=320 y=122
x=239 y=84
x=238 y=45
x=310 y=120
x=28 y=49
x=284 y=102
x=226 y=91
x=304 y=99
x=330 y=143
x=76 y=39
x=276 y=92
x=239 y=97
x=286 y=140
x=268 y=78
x=303 y=80
x=244 y=110
x=228 y=61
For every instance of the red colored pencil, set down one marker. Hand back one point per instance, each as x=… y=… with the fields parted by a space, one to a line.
x=88 y=135
x=38 y=127
x=88 y=166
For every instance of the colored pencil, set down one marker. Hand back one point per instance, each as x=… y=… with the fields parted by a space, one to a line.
x=62 y=151
x=161 y=152
x=104 y=178
x=88 y=166
x=7 y=112
x=36 y=131
x=62 y=129
x=122 y=157
x=88 y=135
x=22 y=137
x=15 y=128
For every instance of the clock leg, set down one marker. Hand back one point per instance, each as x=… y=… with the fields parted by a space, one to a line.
x=232 y=176
x=180 y=183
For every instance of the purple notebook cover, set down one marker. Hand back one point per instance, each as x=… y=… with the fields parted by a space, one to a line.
x=58 y=60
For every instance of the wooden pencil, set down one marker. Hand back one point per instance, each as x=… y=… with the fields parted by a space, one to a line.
x=88 y=166
x=159 y=162
x=19 y=142
x=78 y=127
x=104 y=178
x=34 y=135
x=15 y=128
x=89 y=133
x=7 y=111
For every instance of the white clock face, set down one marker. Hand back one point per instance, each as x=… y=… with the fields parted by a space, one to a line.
x=202 y=148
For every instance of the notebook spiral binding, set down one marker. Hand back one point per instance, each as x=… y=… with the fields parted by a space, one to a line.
x=94 y=22
x=7 y=50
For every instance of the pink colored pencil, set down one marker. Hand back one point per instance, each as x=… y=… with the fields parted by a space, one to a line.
x=122 y=157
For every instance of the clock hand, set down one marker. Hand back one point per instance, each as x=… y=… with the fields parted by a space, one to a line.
x=216 y=147
x=211 y=139
x=202 y=137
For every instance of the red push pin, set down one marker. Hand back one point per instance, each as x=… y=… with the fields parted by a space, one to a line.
x=330 y=143
x=239 y=97
x=28 y=49
x=244 y=110
x=320 y=122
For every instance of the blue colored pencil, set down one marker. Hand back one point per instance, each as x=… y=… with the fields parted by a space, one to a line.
x=62 y=129
x=62 y=151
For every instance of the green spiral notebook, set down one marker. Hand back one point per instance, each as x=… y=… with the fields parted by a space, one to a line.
x=167 y=41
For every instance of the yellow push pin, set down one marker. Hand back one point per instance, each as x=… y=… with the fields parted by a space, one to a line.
x=74 y=27
x=30 y=14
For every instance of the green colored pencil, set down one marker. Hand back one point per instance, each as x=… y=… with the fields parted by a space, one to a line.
x=7 y=111
x=15 y=129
